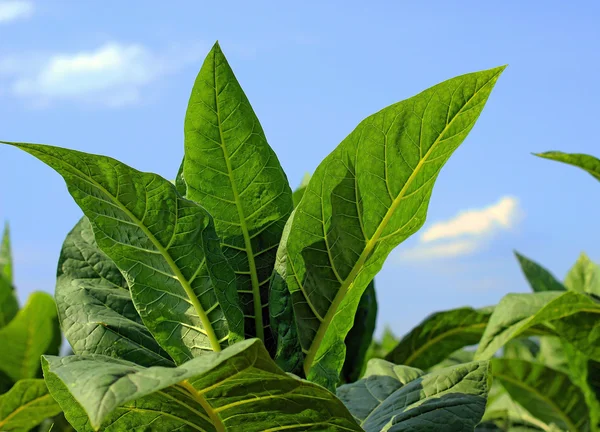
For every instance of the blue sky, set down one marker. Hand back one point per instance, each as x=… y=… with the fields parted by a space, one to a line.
x=114 y=77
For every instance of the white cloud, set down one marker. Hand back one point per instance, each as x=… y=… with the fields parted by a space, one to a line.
x=11 y=10
x=113 y=75
x=451 y=249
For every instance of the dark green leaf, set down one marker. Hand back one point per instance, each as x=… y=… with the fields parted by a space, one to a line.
x=538 y=277
x=439 y=335
x=231 y=171
x=9 y=304
x=583 y=161
x=366 y=197
x=165 y=246
x=95 y=307
x=26 y=405
x=238 y=389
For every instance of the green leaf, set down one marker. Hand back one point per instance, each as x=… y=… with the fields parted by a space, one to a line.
x=360 y=336
x=584 y=276
x=239 y=388
x=552 y=353
x=458 y=357
x=165 y=246
x=571 y=315
x=439 y=335
x=299 y=192
x=583 y=161
x=95 y=308
x=26 y=405
x=9 y=305
x=6 y=263
x=521 y=349
x=546 y=393
x=34 y=331
x=401 y=398
x=231 y=171
x=538 y=277
x=370 y=194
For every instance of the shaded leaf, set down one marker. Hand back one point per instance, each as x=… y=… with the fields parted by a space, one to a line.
x=521 y=349
x=538 y=277
x=95 y=308
x=552 y=353
x=26 y=405
x=230 y=169
x=9 y=305
x=586 y=162
x=164 y=245
x=366 y=197
x=458 y=357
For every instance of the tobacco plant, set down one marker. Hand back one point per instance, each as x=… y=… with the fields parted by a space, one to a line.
x=223 y=301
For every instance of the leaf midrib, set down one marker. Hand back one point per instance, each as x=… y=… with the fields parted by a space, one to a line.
x=371 y=243
x=256 y=298
x=214 y=416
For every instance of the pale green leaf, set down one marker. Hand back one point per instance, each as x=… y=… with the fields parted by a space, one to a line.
x=370 y=194
x=521 y=349
x=586 y=162
x=238 y=389
x=165 y=246
x=299 y=192
x=26 y=405
x=584 y=276
x=6 y=262
x=538 y=277
x=552 y=353
x=95 y=308
x=34 y=331
x=231 y=171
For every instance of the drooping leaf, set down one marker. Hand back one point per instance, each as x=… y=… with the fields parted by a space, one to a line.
x=299 y=192
x=366 y=197
x=439 y=335
x=360 y=336
x=586 y=162
x=571 y=315
x=401 y=398
x=164 y=245
x=95 y=308
x=538 y=277
x=521 y=349
x=26 y=405
x=34 y=331
x=9 y=304
x=584 y=276
x=238 y=389
x=230 y=169
x=546 y=393
x=6 y=263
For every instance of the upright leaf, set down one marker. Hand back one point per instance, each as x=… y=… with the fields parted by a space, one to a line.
x=299 y=192
x=587 y=163
x=546 y=393
x=439 y=335
x=401 y=398
x=165 y=246
x=9 y=304
x=6 y=264
x=33 y=332
x=95 y=307
x=237 y=389
x=538 y=277
x=366 y=197
x=231 y=171
x=26 y=405
x=584 y=276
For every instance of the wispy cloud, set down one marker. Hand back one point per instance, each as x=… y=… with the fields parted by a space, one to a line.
x=466 y=233
x=112 y=75
x=12 y=10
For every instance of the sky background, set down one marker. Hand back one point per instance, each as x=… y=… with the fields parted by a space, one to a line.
x=114 y=78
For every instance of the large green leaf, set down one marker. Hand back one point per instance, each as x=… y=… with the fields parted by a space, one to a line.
x=401 y=398
x=26 y=405
x=586 y=162
x=360 y=336
x=546 y=393
x=584 y=276
x=231 y=171
x=538 y=277
x=366 y=197
x=95 y=308
x=6 y=263
x=439 y=335
x=34 y=331
x=238 y=389
x=165 y=246
x=571 y=315
x=9 y=304
x=299 y=191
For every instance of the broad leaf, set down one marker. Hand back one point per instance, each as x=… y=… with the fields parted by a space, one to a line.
x=538 y=277
x=26 y=405
x=299 y=192
x=521 y=349
x=95 y=307
x=237 y=389
x=401 y=398
x=439 y=335
x=360 y=336
x=586 y=162
x=571 y=315
x=34 y=331
x=166 y=247
x=552 y=353
x=458 y=357
x=546 y=393
x=231 y=171
x=366 y=197
x=584 y=276
x=6 y=264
